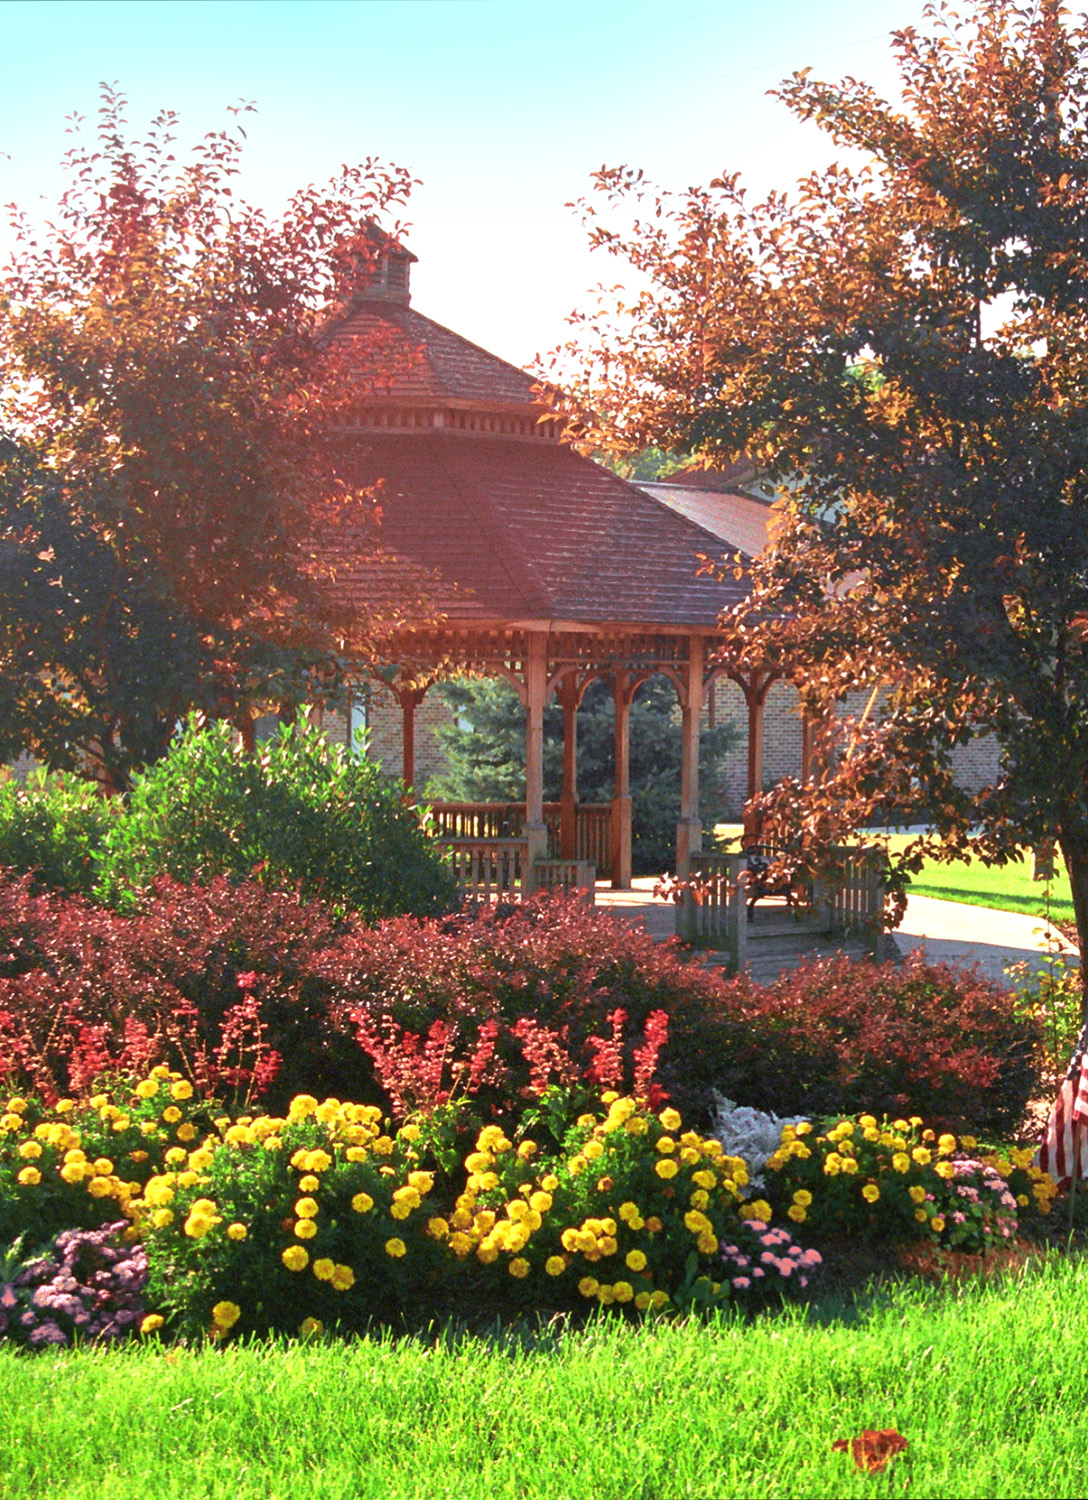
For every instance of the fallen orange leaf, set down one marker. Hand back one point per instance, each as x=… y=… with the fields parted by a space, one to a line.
x=872 y=1450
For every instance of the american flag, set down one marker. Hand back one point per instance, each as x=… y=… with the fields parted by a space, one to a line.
x=1058 y=1155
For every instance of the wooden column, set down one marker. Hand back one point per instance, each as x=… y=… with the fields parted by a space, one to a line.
x=568 y=800
x=689 y=830
x=621 y=789
x=755 y=688
x=409 y=700
x=536 y=689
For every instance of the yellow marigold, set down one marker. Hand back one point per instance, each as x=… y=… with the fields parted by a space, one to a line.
x=343 y=1279
x=797 y=1213
x=1023 y=1200
x=666 y=1144
x=324 y=1269
x=396 y=1248
x=833 y=1164
x=867 y=1122
x=700 y=1198
x=226 y=1314
x=921 y=1215
x=658 y=1298
x=147 y=1088
x=634 y=1260
x=872 y=1136
x=555 y=1265
x=637 y=1125
x=670 y=1119
x=642 y=1301
x=704 y=1179
x=917 y=1193
x=30 y=1150
x=437 y=1228
x=30 y=1177
x=301 y=1106
x=311 y=1328
x=171 y=1114
x=296 y=1257
x=592 y=1150
x=98 y=1187
x=607 y=1245
x=540 y=1202
x=945 y=1169
x=901 y=1161
x=196 y=1226
x=627 y=1212
x=696 y=1222
x=317 y=1161
x=362 y=1203
x=707 y=1243
x=162 y=1217
x=152 y=1323
x=849 y=1165
x=306 y=1208
x=64 y=1106
x=72 y=1172
x=803 y=1197
x=870 y=1192
x=305 y=1229
x=549 y=1183
x=588 y=1286
x=519 y=1268
x=400 y=1210
x=236 y=1231
x=460 y=1243
x=654 y=1225
x=527 y=1149
x=666 y=1168
x=922 y=1155
x=968 y=1142
x=623 y=1291
x=937 y=1224
x=487 y=1253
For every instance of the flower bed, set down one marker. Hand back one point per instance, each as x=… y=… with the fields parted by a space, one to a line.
x=330 y=1216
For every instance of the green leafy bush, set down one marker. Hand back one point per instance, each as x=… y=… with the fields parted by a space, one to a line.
x=55 y=826
x=300 y=813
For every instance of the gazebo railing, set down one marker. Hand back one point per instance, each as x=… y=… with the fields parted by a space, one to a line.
x=489 y=869
x=848 y=901
x=506 y=820
x=499 y=870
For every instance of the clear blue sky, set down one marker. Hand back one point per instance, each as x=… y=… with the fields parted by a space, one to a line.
x=501 y=107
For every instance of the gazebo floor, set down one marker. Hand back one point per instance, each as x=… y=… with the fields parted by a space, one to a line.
x=778 y=939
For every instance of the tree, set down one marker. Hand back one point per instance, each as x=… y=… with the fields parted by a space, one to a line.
x=485 y=749
x=167 y=486
x=903 y=345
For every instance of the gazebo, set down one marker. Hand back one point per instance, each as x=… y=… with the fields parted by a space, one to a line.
x=547 y=570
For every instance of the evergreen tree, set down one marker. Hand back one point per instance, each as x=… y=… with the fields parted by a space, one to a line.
x=485 y=752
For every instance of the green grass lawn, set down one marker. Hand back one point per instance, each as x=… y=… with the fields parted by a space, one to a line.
x=988 y=1385
x=1007 y=887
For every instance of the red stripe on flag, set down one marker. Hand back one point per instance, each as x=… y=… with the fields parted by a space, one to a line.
x=1056 y=1154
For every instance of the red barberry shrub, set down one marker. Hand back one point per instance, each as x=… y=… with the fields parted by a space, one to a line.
x=841 y=1035
x=550 y=977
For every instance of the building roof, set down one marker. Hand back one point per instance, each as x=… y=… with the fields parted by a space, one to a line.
x=738 y=519
x=431 y=363
x=518 y=530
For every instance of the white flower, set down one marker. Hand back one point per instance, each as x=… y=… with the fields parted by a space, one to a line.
x=749 y=1133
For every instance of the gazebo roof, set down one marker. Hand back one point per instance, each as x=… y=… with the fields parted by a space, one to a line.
x=479 y=489
x=530 y=531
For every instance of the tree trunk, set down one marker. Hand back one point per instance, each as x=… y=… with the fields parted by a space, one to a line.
x=1074 y=849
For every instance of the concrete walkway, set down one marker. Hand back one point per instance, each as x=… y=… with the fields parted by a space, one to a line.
x=946 y=931
x=950 y=931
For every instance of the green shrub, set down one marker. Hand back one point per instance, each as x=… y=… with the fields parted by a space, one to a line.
x=300 y=813
x=55 y=827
